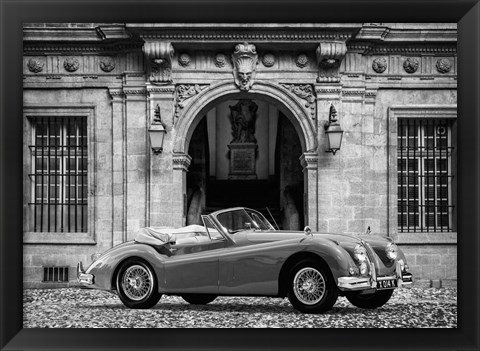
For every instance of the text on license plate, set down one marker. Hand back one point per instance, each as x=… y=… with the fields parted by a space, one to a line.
x=387 y=284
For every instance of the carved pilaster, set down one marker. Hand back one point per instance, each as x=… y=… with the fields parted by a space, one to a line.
x=304 y=92
x=181 y=161
x=159 y=54
x=184 y=92
x=329 y=57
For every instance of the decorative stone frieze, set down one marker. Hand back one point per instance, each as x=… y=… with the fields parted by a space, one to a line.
x=35 y=65
x=107 y=64
x=443 y=65
x=181 y=161
x=329 y=57
x=184 y=59
x=297 y=36
x=353 y=92
x=220 y=60
x=379 y=65
x=245 y=60
x=159 y=54
x=268 y=60
x=301 y=60
x=330 y=91
x=71 y=64
x=410 y=65
x=161 y=90
x=304 y=92
x=184 y=92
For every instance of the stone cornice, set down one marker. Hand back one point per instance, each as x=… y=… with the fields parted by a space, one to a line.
x=404 y=49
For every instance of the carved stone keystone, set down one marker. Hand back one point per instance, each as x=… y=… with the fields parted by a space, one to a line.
x=245 y=60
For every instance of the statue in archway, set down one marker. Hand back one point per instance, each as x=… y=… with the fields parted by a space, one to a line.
x=243 y=117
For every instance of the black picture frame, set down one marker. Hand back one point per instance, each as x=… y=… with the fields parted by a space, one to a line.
x=13 y=13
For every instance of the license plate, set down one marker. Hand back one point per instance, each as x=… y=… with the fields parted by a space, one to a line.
x=387 y=284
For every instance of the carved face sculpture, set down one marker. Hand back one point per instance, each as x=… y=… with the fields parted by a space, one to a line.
x=244 y=76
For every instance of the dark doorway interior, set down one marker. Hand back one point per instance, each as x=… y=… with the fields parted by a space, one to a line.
x=282 y=193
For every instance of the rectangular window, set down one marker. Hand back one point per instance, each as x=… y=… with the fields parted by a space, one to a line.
x=425 y=175
x=59 y=174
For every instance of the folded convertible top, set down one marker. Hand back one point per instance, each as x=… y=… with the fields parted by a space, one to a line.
x=162 y=236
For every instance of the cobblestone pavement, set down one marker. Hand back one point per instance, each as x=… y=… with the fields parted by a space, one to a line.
x=82 y=308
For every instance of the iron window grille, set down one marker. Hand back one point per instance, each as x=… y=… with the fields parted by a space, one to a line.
x=59 y=174
x=55 y=274
x=425 y=175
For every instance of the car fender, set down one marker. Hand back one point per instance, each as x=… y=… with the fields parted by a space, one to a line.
x=104 y=268
x=336 y=257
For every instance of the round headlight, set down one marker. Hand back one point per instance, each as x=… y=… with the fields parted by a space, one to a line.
x=360 y=253
x=392 y=251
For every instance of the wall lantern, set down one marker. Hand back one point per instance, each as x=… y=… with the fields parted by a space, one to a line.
x=333 y=131
x=157 y=132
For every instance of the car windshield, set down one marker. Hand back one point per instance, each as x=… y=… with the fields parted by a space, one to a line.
x=241 y=219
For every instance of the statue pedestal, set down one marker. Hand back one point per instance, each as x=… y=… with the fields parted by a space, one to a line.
x=242 y=161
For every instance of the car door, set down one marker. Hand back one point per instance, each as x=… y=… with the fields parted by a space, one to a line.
x=193 y=267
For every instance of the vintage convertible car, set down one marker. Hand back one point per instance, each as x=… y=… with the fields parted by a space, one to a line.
x=238 y=252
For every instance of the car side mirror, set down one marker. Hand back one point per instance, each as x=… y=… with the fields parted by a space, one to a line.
x=248 y=225
x=172 y=240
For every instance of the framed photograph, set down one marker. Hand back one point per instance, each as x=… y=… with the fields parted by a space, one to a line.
x=224 y=166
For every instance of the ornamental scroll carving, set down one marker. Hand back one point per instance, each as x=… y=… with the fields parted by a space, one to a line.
x=306 y=93
x=184 y=92
x=159 y=56
x=329 y=57
x=245 y=60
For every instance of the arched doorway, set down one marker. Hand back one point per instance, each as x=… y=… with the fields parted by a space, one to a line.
x=252 y=162
x=209 y=182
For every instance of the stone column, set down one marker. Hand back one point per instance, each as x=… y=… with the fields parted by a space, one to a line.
x=160 y=192
x=309 y=162
x=181 y=162
x=119 y=234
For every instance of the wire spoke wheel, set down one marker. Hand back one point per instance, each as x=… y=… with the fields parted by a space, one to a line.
x=309 y=286
x=137 y=282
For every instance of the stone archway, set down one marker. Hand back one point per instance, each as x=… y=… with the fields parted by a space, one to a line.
x=273 y=93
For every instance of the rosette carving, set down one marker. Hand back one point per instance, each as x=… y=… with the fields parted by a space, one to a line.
x=184 y=59
x=443 y=65
x=71 y=64
x=410 y=65
x=35 y=65
x=245 y=60
x=268 y=60
x=107 y=64
x=220 y=60
x=379 y=65
x=301 y=60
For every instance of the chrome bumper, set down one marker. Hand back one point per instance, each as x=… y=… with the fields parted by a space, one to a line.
x=374 y=282
x=82 y=277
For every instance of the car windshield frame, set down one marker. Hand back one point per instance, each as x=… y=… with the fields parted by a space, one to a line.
x=257 y=224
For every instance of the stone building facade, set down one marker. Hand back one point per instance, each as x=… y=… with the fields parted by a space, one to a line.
x=244 y=107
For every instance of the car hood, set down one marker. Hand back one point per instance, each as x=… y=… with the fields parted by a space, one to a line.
x=344 y=240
